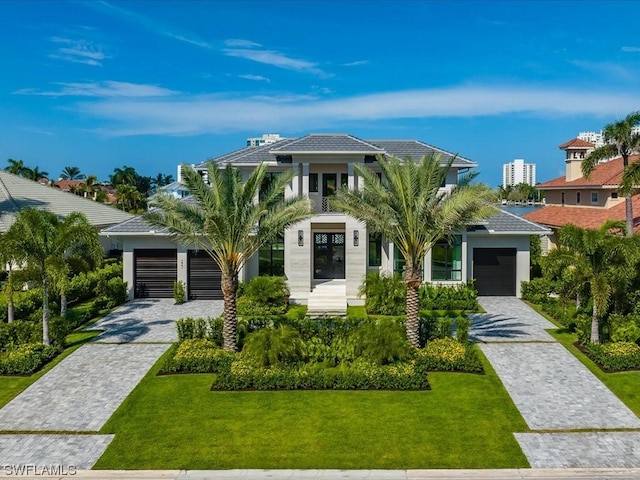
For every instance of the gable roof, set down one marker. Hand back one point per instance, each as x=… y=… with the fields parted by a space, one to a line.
x=506 y=223
x=17 y=193
x=604 y=174
x=584 y=217
x=335 y=144
x=576 y=143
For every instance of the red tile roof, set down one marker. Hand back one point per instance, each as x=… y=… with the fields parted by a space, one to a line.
x=608 y=173
x=65 y=185
x=585 y=217
x=576 y=143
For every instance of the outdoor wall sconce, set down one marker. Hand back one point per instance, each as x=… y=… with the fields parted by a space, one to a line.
x=356 y=238
x=301 y=238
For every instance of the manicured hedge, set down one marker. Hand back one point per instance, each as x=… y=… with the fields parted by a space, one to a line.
x=25 y=359
x=198 y=356
x=447 y=354
x=616 y=356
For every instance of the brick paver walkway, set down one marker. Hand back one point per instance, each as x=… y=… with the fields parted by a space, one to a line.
x=554 y=391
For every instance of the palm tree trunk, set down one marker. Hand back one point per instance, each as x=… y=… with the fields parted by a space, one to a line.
x=229 y=328
x=45 y=311
x=413 y=282
x=595 y=327
x=10 y=309
x=63 y=305
x=628 y=206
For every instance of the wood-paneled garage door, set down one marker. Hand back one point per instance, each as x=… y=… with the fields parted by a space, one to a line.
x=204 y=277
x=155 y=270
x=494 y=271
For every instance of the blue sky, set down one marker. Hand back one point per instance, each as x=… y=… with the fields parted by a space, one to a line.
x=154 y=84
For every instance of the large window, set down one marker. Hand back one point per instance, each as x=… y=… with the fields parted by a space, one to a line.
x=375 y=249
x=446 y=260
x=271 y=258
x=313 y=182
x=398 y=261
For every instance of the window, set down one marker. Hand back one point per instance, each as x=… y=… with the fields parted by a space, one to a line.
x=614 y=194
x=313 y=182
x=578 y=198
x=446 y=260
x=594 y=197
x=398 y=261
x=344 y=180
x=562 y=198
x=271 y=258
x=375 y=249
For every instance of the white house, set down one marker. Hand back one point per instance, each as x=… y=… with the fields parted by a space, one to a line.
x=331 y=249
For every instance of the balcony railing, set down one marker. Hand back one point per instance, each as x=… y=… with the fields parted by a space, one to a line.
x=321 y=204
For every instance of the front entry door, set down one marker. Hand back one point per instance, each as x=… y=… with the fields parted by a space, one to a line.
x=328 y=255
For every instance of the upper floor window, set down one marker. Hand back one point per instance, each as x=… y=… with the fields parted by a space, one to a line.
x=578 y=198
x=614 y=194
x=313 y=182
x=594 y=197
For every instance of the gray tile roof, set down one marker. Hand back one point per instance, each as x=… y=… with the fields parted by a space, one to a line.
x=321 y=142
x=138 y=225
x=17 y=193
x=506 y=222
x=416 y=149
x=247 y=155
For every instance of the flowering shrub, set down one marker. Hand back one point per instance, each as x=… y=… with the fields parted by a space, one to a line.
x=198 y=356
x=615 y=356
x=25 y=359
x=447 y=354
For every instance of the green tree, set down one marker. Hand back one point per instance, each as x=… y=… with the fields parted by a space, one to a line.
x=593 y=262
x=91 y=187
x=409 y=208
x=619 y=139
x=45 y=240
x=72 y=173
x=229 y=222
x=16 y=167
x=34 y=173
x=125 y=175
x=128 y=198
x=11 y=257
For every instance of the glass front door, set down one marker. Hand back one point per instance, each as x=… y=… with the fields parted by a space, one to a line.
x=328 y=255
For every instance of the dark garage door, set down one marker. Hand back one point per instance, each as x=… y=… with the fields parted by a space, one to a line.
x=204 y=277
x=494 y=270
x=155 y=271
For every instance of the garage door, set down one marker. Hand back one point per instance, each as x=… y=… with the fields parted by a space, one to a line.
x=155 y=271
x=204 y=277
x=494 y=271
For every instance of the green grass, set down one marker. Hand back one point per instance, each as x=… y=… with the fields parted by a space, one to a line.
x=176 y=422
x=10 y=387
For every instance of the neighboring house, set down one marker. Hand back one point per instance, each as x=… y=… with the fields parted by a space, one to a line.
x=584 y=202
x=177 y=189
x=331 y=248
x=17 y=193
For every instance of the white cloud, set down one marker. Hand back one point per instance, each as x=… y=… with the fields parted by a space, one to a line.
x=608 y=69
x=78 y=51
x=630 y=49
x=276 y=59
x=240 y=43
x=356 y=63
x=107 y=89
x=256 y=78
x=192 y=115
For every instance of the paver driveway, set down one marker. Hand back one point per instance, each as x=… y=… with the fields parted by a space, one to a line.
x=553 y=391
x=82 y=392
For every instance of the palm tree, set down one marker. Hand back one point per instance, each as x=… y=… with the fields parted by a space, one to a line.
x=45 y=240
x=125 y=175
x=229 y=221
x=129 y=198
x=619 y=139
x=72 y=173
x=593 y=261
x=15 y=166
x=34 y=173
x=408 y=207
x=91 y=187
x=10 y=256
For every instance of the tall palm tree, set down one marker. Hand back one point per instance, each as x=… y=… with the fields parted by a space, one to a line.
x=15 y=166
x=10 y=257
x=45 y=239
x=128 y=198
x=72 y=173
x=125 y=175
x=91 y=187
x=620 y=140
x=593 y=261
x=34 y=173
x=409 y=208
x=229 y=221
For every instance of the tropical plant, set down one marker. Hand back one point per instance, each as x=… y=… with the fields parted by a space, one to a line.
x=72 y=173
x=409 y=207
x=34 y=173
x=593 y=262
x=125 y=175
x=49 y=243
x=16 y=167
x=128 y=198
x=10 y=257
x=273 y=346
x=619 y=139
x=228 y=221
x=91 y=187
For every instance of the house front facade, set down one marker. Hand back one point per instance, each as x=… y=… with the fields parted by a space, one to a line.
x=328 y=255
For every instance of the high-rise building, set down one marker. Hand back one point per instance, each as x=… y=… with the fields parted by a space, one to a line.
x=265 y=139
x=517 y=172
x=597 y=138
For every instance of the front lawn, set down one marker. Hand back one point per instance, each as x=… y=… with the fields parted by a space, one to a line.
x=177 y=422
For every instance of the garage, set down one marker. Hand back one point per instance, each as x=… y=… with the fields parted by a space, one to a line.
x=155 y=271
x=494 y=271
x=204 y=277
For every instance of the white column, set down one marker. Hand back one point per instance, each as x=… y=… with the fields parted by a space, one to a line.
x=352 y=180
x=293 y=189
x=305 y=179
x=128 y=268
x=183 y=262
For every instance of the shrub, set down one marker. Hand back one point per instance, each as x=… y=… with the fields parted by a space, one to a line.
x=25 y=359
x=273 y=346
x=18 y=333
x=447 y=354
x=179 y=295
x=455 y=297
x=380 y=343
x=385 y=294
x=191 y=328
x=615 y=356
x=463 y=325
x=58 y=330
x=537 y=290
x=624 y=328
x=266 y=290
x=199 y=356
x=248 y=306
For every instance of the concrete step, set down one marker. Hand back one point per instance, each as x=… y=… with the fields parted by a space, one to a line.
x=328 y=299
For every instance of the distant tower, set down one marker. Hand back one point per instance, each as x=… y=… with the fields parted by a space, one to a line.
x=577 y=149
x=265 y=139
x=517 y=172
